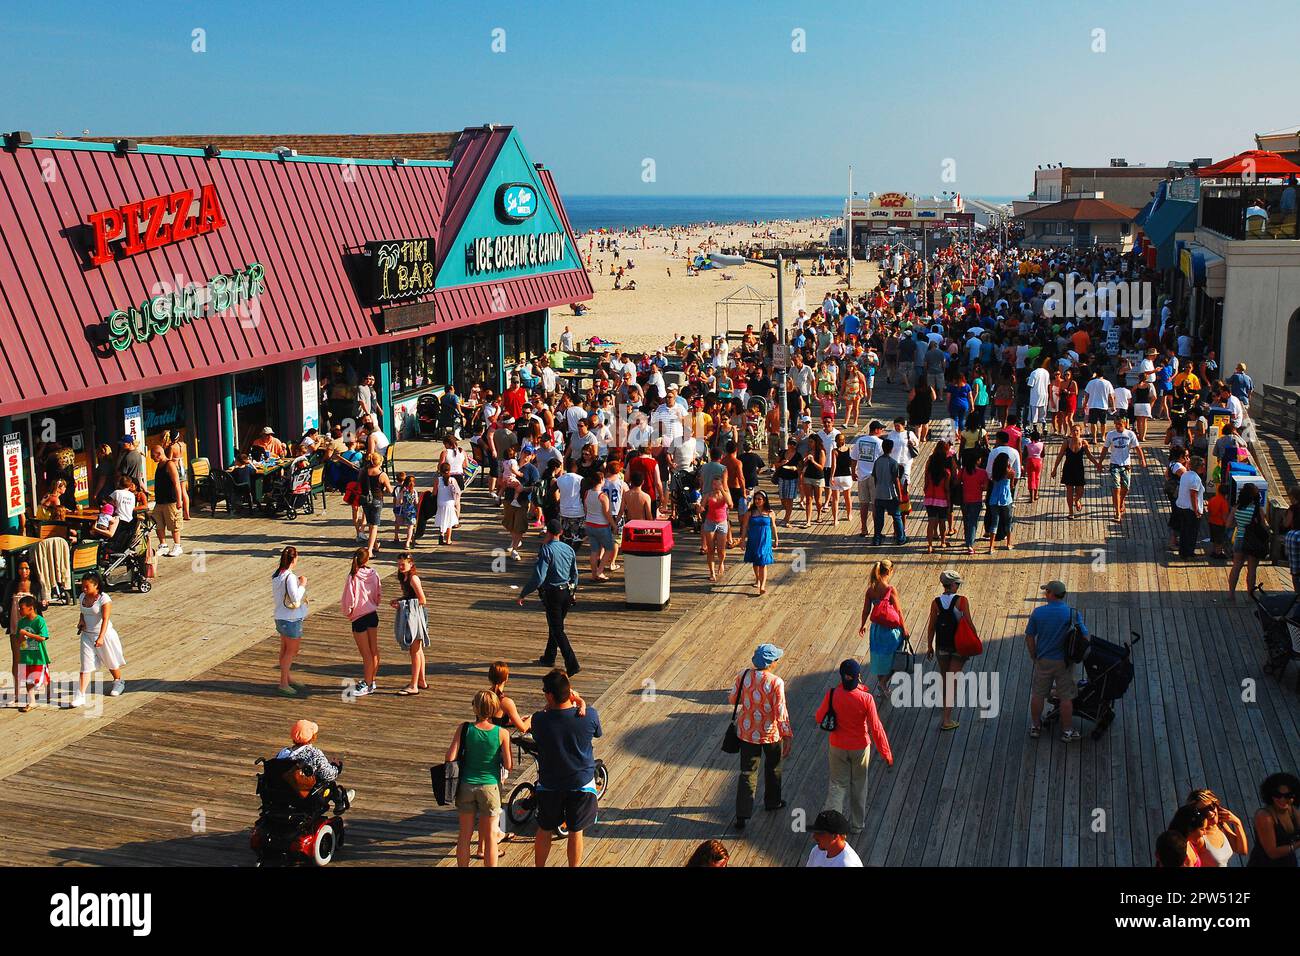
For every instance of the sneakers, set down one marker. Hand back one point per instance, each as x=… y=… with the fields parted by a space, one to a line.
x=165 y=551
x=352 y=795
x=118 y=687
x=362 y=689
x=177 y=551
x=515 y=554
x=78 y=700
x=1071 y=736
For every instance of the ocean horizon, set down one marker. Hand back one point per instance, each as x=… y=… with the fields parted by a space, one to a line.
x=587 y=212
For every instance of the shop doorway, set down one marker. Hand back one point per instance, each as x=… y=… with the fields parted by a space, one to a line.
x=475 y=351
x=252 y=412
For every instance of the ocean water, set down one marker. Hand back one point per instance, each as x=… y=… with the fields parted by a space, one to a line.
x=622 y=212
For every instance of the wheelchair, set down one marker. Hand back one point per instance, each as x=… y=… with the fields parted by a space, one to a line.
x=522 y=805
x=297 y=825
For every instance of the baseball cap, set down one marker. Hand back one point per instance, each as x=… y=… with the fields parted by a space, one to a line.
x=831 y=821
x=128 y=440
x=949 y=577
x=1055 y=588
x=267 y=430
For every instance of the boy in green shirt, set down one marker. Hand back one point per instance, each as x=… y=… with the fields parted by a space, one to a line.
x=32 y=655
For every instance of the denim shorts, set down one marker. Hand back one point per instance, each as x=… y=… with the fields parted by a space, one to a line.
x=289 y=629
x=600 y=536
x=715 y=527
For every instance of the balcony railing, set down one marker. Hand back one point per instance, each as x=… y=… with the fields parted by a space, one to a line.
x=1235 y=213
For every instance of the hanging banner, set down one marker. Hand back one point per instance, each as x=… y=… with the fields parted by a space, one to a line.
x=13 y=453
x=134 y=423
x=310 y=396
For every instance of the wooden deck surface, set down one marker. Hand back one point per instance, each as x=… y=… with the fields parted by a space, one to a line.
x=165 y=774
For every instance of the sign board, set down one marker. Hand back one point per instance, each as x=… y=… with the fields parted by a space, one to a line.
x=15 y=501
x=407 y=316
x=780 y=355
x=133 y=417
x=155 y=222
x=310 y=395
x=401 y=269
x=173 y=310
x=516 y=202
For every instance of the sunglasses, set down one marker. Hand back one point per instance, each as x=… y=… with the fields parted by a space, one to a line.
x=1283 y=795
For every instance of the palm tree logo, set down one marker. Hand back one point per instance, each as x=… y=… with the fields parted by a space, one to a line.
x=387 y=257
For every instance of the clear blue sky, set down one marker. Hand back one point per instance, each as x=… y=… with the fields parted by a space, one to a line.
x=711 y=91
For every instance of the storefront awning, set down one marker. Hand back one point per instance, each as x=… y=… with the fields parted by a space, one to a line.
x=1173 y=216
x=1203 y=269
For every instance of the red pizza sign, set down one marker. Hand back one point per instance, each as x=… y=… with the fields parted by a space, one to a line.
x=151 y=223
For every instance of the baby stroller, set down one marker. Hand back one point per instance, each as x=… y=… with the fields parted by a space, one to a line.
x=1107 y=671
x=1279 y=616
x=684 y=495
x=291 y=495
x=124 y=558
x=296 y=824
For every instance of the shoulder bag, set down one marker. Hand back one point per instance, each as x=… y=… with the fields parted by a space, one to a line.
x=731 y=739
x=965 y=639
x=828 y=722
x=884 y=613
x=289 y=602
x=445 y=777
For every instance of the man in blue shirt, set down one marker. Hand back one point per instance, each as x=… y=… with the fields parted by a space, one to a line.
x=555 y=577
x=566 y=767
x=1045 y=636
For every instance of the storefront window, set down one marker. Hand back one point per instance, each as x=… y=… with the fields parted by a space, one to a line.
x=340 y=374
x=419 y=363
x=251 y=409
x=476 y=358
x=164 y=416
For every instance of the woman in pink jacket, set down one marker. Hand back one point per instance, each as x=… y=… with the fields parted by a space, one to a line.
x=361 y=605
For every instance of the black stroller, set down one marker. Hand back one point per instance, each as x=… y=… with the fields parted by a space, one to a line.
x=684 y=495
x=1107 y=673
x=124 y=558
x=1279 y=616
x=291 y=495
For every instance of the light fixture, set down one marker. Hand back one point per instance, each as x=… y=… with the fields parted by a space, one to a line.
x=124 y=146
x=211 y=151
x=285 y=152
x=19 y=137
x=399 y=160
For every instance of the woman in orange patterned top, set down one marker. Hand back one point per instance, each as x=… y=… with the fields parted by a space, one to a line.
x=763 y=725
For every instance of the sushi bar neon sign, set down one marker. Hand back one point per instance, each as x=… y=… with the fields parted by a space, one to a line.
x=173 y=310
x=153 y=223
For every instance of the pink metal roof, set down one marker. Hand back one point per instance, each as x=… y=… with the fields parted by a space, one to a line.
x=300 y=220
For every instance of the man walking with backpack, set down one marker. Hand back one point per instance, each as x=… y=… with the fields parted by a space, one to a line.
x=1053 y=626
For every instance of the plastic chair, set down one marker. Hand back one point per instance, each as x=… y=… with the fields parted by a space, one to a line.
x=318 y=483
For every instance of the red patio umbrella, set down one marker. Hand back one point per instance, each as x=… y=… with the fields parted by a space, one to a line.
x=1256 y=162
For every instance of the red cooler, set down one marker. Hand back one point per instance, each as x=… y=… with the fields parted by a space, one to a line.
x=647 y=564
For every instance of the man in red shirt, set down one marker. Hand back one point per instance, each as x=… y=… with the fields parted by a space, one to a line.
x=513 y=398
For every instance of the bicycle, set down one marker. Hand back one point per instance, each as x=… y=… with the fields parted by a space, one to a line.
x=522 y=805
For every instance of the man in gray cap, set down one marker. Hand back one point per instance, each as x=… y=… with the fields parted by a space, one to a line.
x=1045 y=637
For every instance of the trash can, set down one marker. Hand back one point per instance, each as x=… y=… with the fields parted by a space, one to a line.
x=647 y=564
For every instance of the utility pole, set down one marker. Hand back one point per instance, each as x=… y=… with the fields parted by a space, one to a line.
x=780 y=333
x=848 y=226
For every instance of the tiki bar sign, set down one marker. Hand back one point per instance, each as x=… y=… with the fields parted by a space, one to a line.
x=172 y=310
x=502 y=253
x=401 y=268
x=152 y=223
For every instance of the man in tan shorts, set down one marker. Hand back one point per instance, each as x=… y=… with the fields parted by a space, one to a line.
x=1045 y=637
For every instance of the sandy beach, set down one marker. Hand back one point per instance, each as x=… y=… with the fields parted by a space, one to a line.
x=666 y=300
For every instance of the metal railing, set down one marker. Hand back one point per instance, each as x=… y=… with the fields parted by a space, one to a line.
x=1278 y=410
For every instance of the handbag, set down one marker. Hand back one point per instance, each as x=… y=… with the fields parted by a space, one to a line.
x=828 y=723
x=445 y=777
x=903 y=657
x=731 y=739
x=965 y=640
x=291 y=604
x=885 y=614
x=905 y=503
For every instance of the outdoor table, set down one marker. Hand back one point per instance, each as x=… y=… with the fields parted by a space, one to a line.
x=13 y=545
x=261 y=473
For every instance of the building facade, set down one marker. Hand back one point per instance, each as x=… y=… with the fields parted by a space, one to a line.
x=217 y=291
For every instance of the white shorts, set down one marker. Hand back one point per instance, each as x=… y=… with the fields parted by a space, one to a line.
x=842 y=483
x=108 y=656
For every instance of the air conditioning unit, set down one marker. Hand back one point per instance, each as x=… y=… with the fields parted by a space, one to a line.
x=1118 y=162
